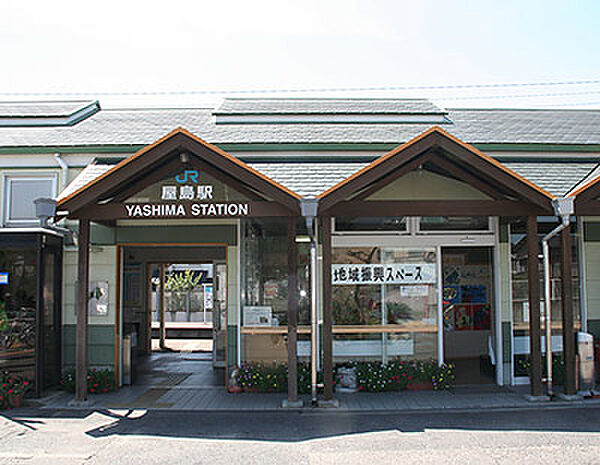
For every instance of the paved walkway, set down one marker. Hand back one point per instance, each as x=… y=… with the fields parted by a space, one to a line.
x=186 y=381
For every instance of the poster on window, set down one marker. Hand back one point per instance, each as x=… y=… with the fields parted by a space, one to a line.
x=258 y=316
x=393 y=273
x=98 y=300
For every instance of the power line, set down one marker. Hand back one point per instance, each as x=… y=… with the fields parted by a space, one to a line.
x=553 y=94
x=305 y=90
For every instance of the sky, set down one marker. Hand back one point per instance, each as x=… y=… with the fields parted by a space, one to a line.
x=203 y=51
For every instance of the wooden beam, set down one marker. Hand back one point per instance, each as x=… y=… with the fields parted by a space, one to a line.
x=224 y=178
x=327 y=309
x=465 y=176
x=81 y=332
x=567 y=311
x=292 y=315
x=170 y=168
x=502 y=177
x=162 y=308
x=118 y=211
x=587 y=207
x=535 y=348
x=379 y=184
x=432 y=208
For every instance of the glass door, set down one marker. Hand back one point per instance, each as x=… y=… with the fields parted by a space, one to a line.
x=219 y=314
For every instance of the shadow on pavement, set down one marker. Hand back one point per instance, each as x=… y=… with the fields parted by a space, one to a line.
x=306 y=425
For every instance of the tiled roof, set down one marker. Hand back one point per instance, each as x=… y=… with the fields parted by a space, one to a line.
x=41 y=109
x=243 y=106
x=141 y=127
x=556 y=178
x=311 y=179
x=88 y=174
x=308 y=179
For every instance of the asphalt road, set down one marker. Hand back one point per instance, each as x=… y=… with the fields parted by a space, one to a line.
x=545 y=436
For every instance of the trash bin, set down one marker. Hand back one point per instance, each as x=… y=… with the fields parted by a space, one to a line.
x=127 y=339
x=585 y=350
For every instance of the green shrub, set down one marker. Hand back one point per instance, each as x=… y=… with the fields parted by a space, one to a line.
x=98 y=381
x=11 y=387
x=398 y=375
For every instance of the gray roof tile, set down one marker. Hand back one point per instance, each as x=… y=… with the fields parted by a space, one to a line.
x=269 y=106
x=41 y=109
x=556 y=178
x=144 y=126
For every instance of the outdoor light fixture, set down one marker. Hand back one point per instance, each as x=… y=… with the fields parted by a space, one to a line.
x=184 y=157
x=45 y=209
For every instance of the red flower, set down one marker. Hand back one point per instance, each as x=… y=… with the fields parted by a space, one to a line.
x=10 y=391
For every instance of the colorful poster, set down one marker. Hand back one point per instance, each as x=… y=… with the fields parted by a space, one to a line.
x=473 y=294
x=481 y=317
x=462 y=317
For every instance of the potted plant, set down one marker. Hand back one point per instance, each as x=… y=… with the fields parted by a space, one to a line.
x=12 y=390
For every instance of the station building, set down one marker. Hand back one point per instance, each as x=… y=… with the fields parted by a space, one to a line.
x=427 y=224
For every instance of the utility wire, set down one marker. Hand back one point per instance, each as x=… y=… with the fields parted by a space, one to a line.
x=307 y=90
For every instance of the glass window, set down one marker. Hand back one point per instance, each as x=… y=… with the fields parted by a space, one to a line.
x=454 y=223
x=393 y=314
x=18 y=301
x=264 y=285
x=20 y=192
x=371 y=223
x=520 y=291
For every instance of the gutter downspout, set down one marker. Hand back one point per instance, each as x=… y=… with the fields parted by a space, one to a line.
x=64 y=171
x=308 y=208
x=563 y=208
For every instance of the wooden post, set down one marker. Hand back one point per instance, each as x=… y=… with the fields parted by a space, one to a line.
x=327 y=315
x=81 y=342
x=162 y=307
x=535 y=348
x=567 y=312
x=292 y=315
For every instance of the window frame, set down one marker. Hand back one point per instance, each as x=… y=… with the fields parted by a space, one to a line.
x=7 y=181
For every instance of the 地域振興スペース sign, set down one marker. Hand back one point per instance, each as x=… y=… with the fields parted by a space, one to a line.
x=393 y=273
x=186 y=198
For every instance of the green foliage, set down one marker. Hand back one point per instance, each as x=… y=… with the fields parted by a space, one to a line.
x=558 y=368
x=12 y=387
x=3 y=317
x=399 y=375
x=273 y=378
x=183 y=281
x=98 y=381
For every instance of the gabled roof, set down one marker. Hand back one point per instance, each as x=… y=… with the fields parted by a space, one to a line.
x=430 y=147
x=165 y=154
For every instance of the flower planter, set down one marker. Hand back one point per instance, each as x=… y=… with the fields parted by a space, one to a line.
x=235 y=389
x=251 y=389
x=15 y=401
x=422 y=386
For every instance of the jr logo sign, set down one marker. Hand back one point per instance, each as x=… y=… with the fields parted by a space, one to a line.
x=187 y=176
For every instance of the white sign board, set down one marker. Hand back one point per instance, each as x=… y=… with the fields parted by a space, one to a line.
x=257 y=316
x=208 y=296
x=414 y=291
x=393 y=273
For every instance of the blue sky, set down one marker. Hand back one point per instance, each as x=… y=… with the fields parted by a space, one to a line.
x=129 y=46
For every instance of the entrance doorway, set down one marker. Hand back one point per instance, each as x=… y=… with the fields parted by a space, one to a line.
x=468 y=312
x=174 y=312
